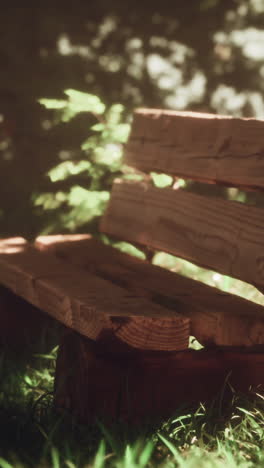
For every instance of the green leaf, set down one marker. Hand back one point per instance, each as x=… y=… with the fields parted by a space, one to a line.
x=129 y=249
x=161 y=180
x=109 y=436
x=28 y=380
x=53 y=103
x=83 y=206
x=67 y=114
x=171 y=447
x=110 y=155
x=55 y=458
x=114 y=114
x=50 y=201
x=100 y=456
x=79 y=195
x=67 y=169
x=128 y=458
x=120 y=133
x=5 y=464
x=99 y=127
x=89 y=144
x=146 y=454
x=84 y=102
x=69 y=464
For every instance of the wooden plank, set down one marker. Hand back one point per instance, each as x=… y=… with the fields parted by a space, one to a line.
x=198 y=146
x=93 y=381
x=218 y=234
x=88 y=303
x=216 y=317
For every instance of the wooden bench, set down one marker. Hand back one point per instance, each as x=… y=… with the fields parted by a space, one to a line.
x=128 y=322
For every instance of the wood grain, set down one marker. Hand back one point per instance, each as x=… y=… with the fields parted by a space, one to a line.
x=86 y=302
x=216 y=317
x=218 y=234
x=198 y=146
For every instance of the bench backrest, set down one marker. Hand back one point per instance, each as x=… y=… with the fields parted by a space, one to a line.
x=223 y=235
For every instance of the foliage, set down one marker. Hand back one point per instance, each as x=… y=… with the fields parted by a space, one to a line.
x=157 y=56
x=78 y=206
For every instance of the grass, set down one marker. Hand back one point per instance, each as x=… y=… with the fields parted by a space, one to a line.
x=32 y=434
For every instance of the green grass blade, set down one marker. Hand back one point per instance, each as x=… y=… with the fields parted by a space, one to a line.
x=100 y=455
x=129 y=458
x=109 y=438
x=5 y=464
x=55 y=457
x=171 y=447
x=146 y=454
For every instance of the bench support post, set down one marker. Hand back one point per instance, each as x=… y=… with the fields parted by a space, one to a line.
x=92 y=381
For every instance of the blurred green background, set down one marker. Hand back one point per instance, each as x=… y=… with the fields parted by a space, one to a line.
x=205 y=55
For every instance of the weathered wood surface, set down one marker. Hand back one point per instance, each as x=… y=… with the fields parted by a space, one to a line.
x=218 y=234
x=216 y=317
x=91 y=382
x=87 y=303
x=198 y=146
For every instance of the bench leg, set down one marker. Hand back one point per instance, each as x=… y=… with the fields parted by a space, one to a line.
x=97 y=380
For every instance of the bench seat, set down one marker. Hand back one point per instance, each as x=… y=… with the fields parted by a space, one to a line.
x=128 y=323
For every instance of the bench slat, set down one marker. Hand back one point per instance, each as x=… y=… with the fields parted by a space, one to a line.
x=87 y=303
x=198 y=146
x=216 y=317
x=221 y=235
